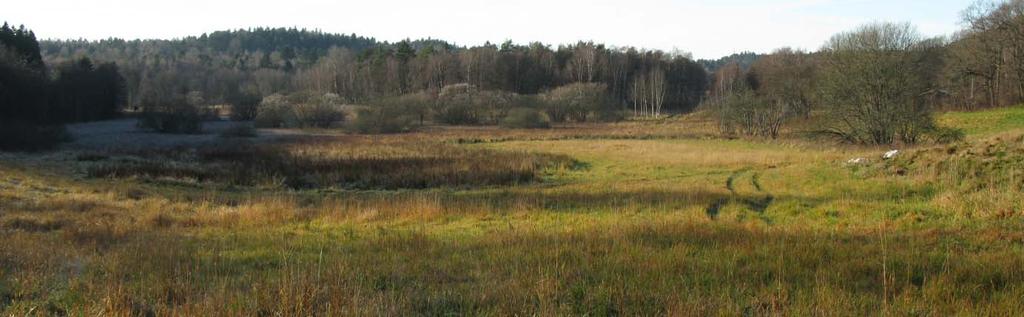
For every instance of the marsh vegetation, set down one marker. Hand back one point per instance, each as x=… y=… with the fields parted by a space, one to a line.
x=496 y=221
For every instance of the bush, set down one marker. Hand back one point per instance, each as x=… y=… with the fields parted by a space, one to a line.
x=945 y=135
x=525 y=118
x=416 y=105
x=172 y=118
x=456 y=115
x=244 y=106
x=580 y=102
x=465 y=104
x=456 y=105
x=175 y=113
x=495 y=105
x=20 y=136
x=382 y=120
x=316 y=114
x=299 y=110
x=742 y=112
x=271 y=112
x=609 y=113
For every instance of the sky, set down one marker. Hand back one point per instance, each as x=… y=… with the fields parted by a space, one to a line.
x=705 y=28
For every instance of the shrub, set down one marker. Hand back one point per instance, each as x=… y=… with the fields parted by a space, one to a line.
x=456 y=115
x=299 y=110
x=556 y=112
x=525 y=118
x=316 y=114
x=580 y=102
x=21 y=136
x=244 y=107
x=946 y=135
x=382 y=120
x=271 y=112
x=455 y=105
x=495 y=105
x=465 y=104
x=392 y=115
x=742 y=112
x=608 y=113
x=172 y=114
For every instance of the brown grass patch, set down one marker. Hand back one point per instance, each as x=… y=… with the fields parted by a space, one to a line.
x=347 y=163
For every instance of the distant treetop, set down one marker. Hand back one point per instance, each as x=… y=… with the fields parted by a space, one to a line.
x=744 y=59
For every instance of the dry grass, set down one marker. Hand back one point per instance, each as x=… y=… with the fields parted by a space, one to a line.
x=982 y=178
x=666 y=225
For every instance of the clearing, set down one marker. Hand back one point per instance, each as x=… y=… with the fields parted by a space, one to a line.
x=636 y=218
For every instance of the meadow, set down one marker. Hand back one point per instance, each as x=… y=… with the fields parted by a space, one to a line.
x=655 y=217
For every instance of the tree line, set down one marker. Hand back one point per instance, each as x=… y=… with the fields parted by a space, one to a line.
x=879 y=83
x=243 y=66
x=36 y=98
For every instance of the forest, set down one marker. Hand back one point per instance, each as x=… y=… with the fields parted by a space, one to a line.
x=751 y=94
x=245 y=65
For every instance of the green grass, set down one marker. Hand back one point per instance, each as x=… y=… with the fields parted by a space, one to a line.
x=665 y=226
x=985 y=122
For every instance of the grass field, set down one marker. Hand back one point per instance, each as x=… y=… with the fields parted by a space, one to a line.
x=988 y=122
x=639 y=218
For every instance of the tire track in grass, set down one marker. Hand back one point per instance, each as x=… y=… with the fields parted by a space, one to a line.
x=758 y=205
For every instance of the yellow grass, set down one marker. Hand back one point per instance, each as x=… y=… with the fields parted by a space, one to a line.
x=671 y=223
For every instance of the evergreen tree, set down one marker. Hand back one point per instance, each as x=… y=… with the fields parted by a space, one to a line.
x=404 y=53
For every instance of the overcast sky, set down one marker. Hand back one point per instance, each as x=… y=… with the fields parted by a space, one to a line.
x=708 y=29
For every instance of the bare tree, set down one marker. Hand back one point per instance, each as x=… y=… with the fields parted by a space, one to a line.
x=873 y=84
x=786 y=77
x=1007 y=20
x=656 y=88
x=584 y=65
x=979 y=53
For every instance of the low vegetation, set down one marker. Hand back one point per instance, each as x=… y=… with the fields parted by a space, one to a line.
x=175 y=120
x=581 y=103
x=348 y=163
x=19 y=136
x=301 y=110
x=986 y=176
x=420 y=178
x=525 y=118
x=383 y=120
x=240 y=130
x=706 y=226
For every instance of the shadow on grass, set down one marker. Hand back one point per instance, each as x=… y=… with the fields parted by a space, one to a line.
x=642 y=200
x=325 y=163
x=634 y=269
